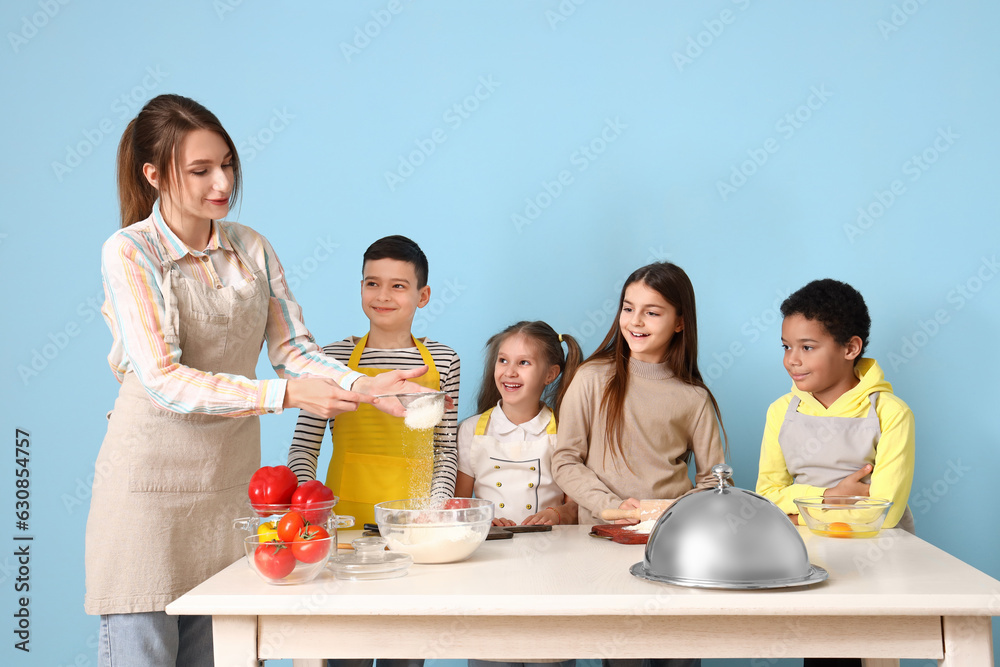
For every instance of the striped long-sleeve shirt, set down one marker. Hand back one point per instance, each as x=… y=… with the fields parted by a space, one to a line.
x=310 y=429
x=134 y=263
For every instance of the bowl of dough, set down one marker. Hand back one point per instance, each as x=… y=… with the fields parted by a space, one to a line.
x=435 y=530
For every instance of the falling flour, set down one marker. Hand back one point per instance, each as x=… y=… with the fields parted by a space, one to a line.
x=434 y=544
x=424 y=412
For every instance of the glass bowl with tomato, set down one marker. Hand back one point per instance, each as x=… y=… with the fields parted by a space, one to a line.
x=284 y=525
x=843 y=516
x=297 y=561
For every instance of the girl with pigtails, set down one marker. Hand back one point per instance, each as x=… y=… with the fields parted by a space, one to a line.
x=505 y=451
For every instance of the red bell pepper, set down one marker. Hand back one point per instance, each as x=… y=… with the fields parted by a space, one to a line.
x=272 y=485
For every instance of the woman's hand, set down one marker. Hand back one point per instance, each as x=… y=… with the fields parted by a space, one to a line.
x=394 y=382
x=391 y=382
x=500 y=521
x=321 y=396
x=852 y=484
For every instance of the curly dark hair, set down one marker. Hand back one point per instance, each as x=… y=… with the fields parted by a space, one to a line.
x=837 y=306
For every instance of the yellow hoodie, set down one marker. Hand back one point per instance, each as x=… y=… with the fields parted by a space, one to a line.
x=894 y=455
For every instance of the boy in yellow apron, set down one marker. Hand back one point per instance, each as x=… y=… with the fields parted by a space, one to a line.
x=374 y=458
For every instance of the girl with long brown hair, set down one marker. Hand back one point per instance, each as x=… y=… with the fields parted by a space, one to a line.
x=638 y=411
x=504 y=451
x=190 y=301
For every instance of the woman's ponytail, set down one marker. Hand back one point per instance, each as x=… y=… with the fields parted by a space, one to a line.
x=135 y=194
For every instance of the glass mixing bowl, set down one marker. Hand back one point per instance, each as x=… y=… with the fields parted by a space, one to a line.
x=844 y=516
x=435 y=531
x=275 y=562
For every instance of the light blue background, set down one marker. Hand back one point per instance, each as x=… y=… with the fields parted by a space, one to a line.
x=893 y=77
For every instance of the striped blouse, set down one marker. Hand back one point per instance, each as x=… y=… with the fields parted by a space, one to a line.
x=310 y=429
x=134 y=262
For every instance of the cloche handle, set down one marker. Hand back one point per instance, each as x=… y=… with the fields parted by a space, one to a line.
x=723 y=476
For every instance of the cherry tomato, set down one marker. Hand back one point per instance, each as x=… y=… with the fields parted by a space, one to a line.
x=308 y=496
x=274 y=560
x=311 y=545
x=272 y=485
x=289 y=526
x=268 y=532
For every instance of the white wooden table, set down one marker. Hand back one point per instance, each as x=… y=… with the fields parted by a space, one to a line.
x=566 y=595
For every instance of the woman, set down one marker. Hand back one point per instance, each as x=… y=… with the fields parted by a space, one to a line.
x=190 y=300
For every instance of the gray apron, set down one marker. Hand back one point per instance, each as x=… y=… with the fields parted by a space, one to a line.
x=821 y=451
x=168 y=485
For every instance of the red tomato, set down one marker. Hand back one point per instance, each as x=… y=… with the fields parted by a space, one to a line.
x=272 y=485
x=308 y=496
x=274 y=560
x=289 y=526
x=457 y=504
x=311 y=545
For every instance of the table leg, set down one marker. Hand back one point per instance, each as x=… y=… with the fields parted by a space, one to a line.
x=235 y=641
x=879 y=662
x=968 y=642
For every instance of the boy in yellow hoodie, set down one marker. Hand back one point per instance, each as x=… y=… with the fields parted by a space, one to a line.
x=841 y=431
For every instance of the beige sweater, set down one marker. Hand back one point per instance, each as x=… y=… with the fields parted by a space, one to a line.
x=664 y=418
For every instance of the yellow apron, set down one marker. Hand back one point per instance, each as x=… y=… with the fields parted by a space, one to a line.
x=374 y=457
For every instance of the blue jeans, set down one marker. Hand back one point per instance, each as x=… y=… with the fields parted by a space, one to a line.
x=154 y=639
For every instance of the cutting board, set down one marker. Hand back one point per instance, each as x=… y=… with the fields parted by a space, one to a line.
x=617 y=533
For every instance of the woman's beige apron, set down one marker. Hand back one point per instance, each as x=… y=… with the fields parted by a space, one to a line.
x=821 y=451
x=167 y=485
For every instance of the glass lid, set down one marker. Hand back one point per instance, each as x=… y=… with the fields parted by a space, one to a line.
x=370 y=560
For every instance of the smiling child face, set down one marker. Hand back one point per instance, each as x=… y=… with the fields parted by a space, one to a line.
x=816 y=362
x=390 y=295
x=647 y=322
x=520 y=373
